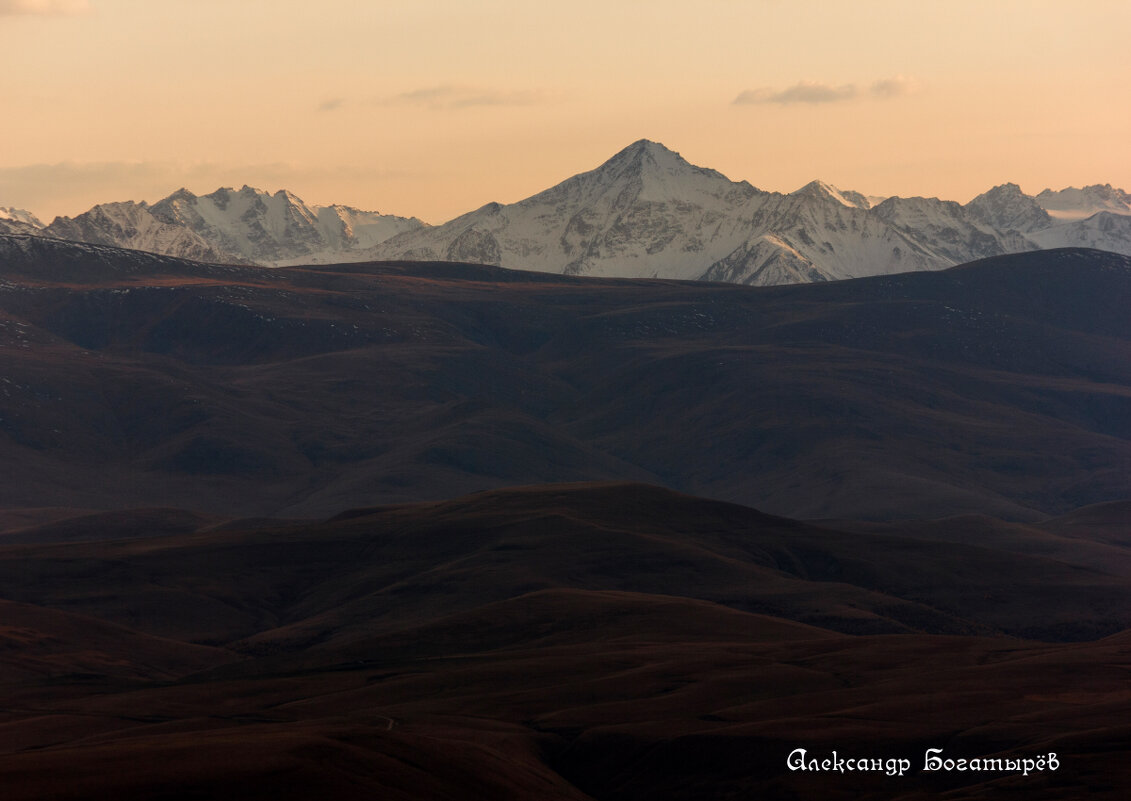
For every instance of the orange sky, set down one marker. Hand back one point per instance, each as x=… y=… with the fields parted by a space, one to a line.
x=434 y=107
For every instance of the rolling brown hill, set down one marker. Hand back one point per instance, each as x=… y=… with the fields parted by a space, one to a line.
x=361 y=576
x=582 y=641
x=131 y=380
x=446 y=531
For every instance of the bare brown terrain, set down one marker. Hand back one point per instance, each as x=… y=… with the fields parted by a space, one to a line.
x=443 y=531
x=133 y=380
x=610 y=641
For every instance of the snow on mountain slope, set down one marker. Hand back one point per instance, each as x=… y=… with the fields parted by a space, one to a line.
x=1007 y=208
x=946 y=231
x=767 y=260
x=1103 y=231
x=361 y=229
x=253 y=224
x=845 y=198
x=646 y=212
x=825 y=238
x=10 y=214
x=649 y=213
x=248 y=226
x=132 y=225
x=18 y=221
x=279 y=228
x=1074 y=204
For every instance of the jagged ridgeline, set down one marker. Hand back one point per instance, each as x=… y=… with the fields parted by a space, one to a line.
x=644 y=213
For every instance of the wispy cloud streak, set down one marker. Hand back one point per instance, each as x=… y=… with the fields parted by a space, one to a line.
x=42 y=8
x=894 y=87
x=816 y=92
x=803 y=92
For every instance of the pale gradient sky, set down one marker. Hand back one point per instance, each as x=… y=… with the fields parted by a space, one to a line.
x=434 y=107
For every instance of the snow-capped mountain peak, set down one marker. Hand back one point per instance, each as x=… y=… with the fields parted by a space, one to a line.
x=646 y=156
x=247 y=225
x=641 y=213
x=845 y=198
x=1007 y=208
x=20 y=216
x=18 y=221
x=279 y=228
x=1073 y=204
x=182 y=195
x=648 y=212
x=133 y=225
x=645 y=171
x=644 y=212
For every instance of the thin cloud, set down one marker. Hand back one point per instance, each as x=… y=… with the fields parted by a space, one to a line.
x=803 y=92
x=43 y=8
x=461 y=97
x=332 y=104
x=816 y=93
x=893 y=87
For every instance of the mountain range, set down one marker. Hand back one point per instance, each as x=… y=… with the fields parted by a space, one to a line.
x=646 y=212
